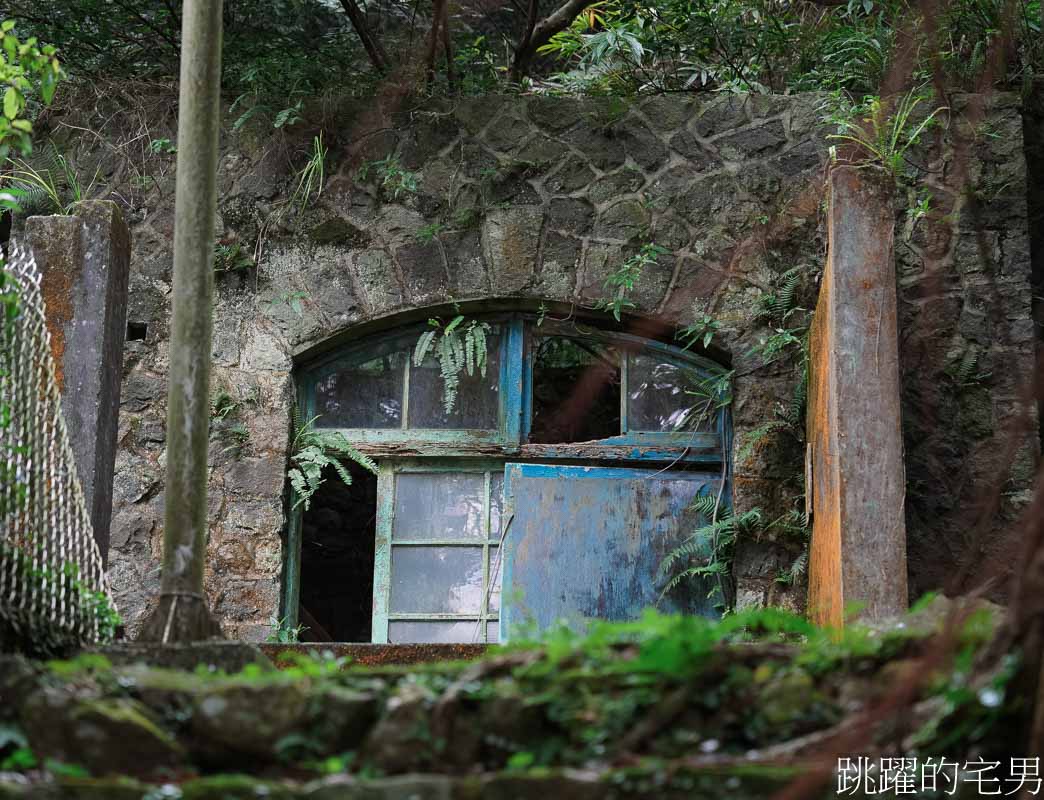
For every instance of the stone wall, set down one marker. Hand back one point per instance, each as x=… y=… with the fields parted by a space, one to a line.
x=967 y=350
x=519 y=200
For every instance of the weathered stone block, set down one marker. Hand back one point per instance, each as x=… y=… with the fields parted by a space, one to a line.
x=248 y=718
x=375 y=276
x=756 y=141
x=510 y=242
x=554 y=114
x=85 y=262
x=610 y=187
x=571 y=177
x=570 y=215
x=627 y=220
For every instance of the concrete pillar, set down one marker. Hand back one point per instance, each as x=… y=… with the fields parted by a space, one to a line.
x=85 y=263
x=857 y=476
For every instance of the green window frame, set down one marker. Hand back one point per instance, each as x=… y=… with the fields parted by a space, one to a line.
x=387 y=541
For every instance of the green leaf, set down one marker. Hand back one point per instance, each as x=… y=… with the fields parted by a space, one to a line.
x=12 y=102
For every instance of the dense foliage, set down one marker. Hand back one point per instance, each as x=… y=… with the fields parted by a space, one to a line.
x=278 y=54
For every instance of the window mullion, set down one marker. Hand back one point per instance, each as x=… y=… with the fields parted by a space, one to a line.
x=406 y=394
x=624 y=364
x=483 y=610
x=511 y=384
x=382 y=553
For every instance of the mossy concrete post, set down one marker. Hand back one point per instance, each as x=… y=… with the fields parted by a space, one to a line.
x=182 y=614
x=84 y=260
x=857 y=481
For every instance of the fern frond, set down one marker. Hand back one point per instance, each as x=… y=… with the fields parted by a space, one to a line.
x=479 y=332
x=758 y=435
x=469 y=350
x=340 y=445
x=704 y=505
x=423 y=346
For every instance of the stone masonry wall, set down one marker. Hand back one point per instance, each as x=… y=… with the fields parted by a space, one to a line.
x=525 y=200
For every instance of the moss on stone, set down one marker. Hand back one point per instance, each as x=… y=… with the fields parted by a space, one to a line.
x=234 y=787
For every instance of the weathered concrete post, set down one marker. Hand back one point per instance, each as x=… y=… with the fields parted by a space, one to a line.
x=182 y=614
x=85 y=261
x=858 y=481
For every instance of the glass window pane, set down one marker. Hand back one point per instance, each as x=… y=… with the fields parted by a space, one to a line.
x=441 y=632
x=496 y=573
x=477 y=406
x=496 y=504
x=576 y=390
x=367 y=395
x=662 y=396
x=439 y=506
x=493 y=631
x=436 y=580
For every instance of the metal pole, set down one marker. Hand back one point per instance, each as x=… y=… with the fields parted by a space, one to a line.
x=182 y=614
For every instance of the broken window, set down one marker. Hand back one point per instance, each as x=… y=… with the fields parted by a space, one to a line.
x=576 y=390
x=664 y=395
x=564 y=474
x=337 y=556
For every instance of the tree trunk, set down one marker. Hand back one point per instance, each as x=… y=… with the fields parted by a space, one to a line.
x=373 y=48
x=538 y=35
x=182 y=614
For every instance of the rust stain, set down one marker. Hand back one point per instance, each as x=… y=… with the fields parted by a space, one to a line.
x=377 y=655
x=56 y=287
x=825 y=588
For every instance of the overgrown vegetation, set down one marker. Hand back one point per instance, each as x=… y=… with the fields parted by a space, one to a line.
x=393 y=181
x=460 y=347
x=280 y=57
x=645 y=694
x=28 y=565
x=313 y=450
x=621 y=282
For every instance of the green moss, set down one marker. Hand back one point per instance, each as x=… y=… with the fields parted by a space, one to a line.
x=119 y=788
x=128 y=717
x=233 y=787
x=338 y=231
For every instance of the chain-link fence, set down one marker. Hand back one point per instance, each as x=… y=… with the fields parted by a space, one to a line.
x=53 y=593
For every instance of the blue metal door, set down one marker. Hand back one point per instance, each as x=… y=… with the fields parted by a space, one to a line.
x=586 y=542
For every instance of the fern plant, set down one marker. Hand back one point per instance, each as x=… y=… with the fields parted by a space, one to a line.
x=459 y=346
x=885 y=134
x=707 y=552
x=711 y=393
x=393 y=180
x=312 y=451
x=47 y=183
x=965 y=369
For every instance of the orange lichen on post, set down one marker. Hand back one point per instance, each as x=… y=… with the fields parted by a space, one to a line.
x=858 y=483
x=825 y=594
x=60 y=256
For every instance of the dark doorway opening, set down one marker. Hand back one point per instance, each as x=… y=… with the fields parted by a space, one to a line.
x=337 y=543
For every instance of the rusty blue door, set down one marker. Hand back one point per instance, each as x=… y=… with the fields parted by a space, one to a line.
x=586 y=542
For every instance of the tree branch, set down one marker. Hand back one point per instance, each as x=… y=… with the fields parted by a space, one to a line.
x=447 y=44
x=373 y=48
x=538 y=35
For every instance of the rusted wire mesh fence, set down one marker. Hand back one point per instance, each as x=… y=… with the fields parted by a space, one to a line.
x=53 y=593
